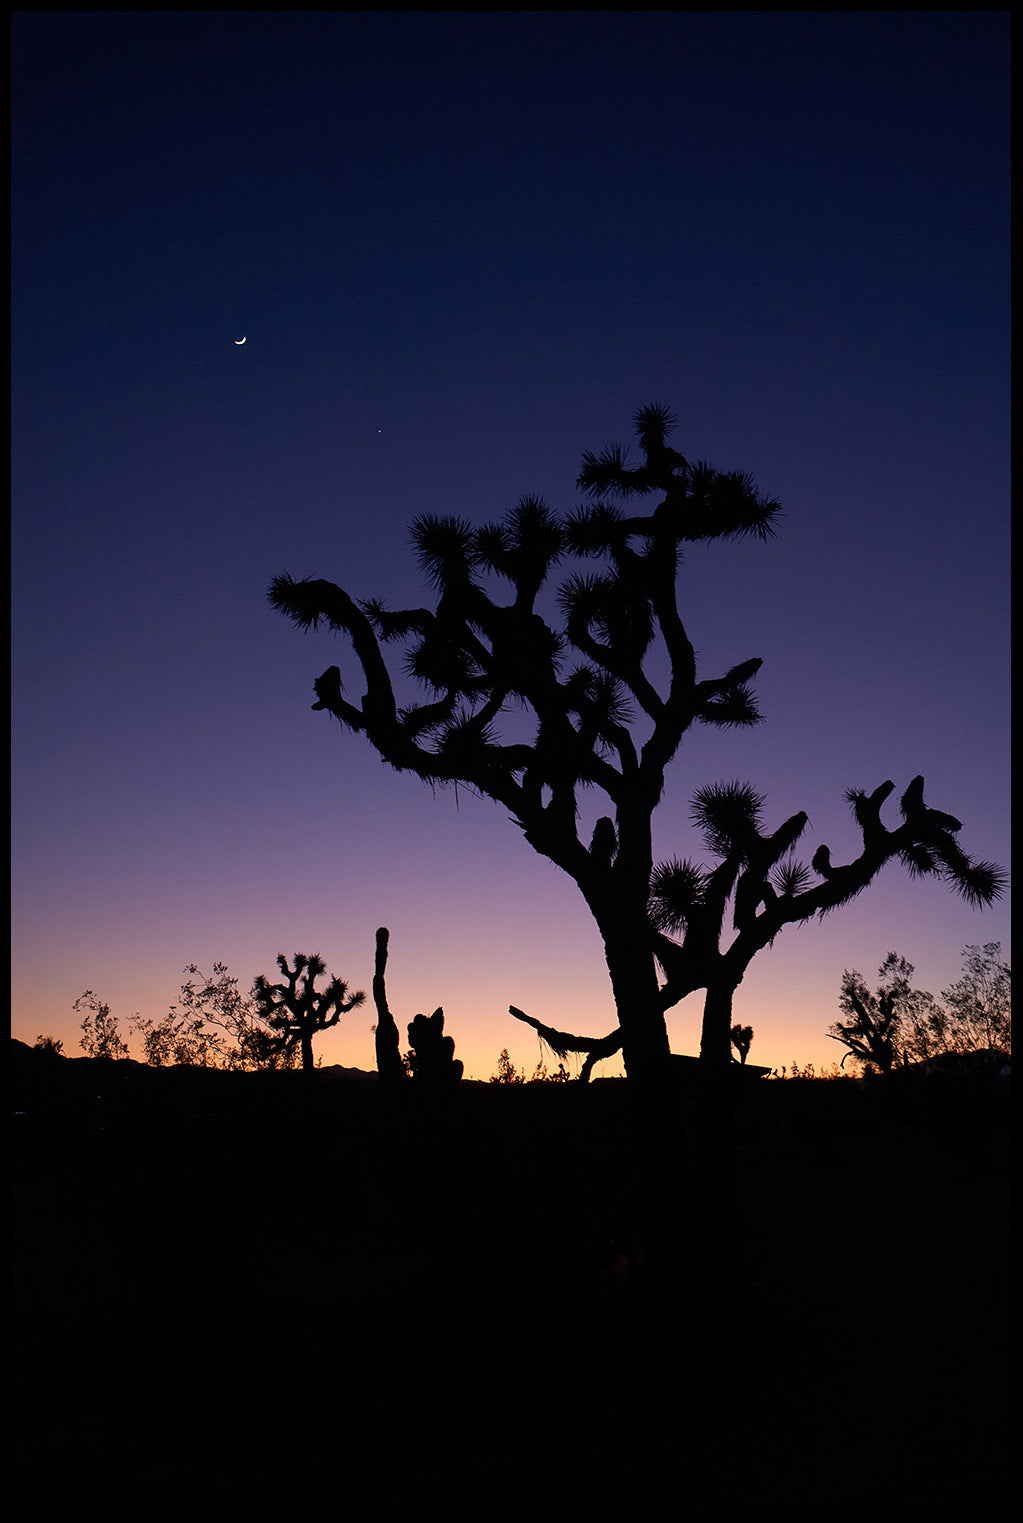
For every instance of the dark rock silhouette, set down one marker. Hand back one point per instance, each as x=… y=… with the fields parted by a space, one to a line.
x=433 y=1054
x=431 y=1058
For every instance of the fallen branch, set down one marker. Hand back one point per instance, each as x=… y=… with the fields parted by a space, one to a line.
x=562 y=1043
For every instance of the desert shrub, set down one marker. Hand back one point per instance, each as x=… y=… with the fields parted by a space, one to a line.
x=506 y=1072
x=101 y=1035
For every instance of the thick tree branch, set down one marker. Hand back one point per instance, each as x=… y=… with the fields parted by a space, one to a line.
x=562 y=1043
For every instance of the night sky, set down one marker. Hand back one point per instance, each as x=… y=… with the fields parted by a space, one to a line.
x=464 y=247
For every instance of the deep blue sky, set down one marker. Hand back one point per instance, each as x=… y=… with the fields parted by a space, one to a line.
x=463 y=247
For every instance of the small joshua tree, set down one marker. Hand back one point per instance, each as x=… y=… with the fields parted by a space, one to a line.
x=742 y=1041
x=296 y=1010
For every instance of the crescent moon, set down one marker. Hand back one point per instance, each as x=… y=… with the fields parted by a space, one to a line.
x=241 y=340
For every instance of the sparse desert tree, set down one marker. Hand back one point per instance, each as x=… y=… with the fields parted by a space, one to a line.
x=873 y=1029
x=505 y=1072
x=101 y=1034
x=972 y=1014
x=179 y=1039
x=898 y=1024
x=213 y=1025
x=295 y=1011
x=216 y=999
x=977 y=1008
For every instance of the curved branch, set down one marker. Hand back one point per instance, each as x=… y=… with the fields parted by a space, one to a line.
x=978 y=882
x=562 y=1043
x=307 y=602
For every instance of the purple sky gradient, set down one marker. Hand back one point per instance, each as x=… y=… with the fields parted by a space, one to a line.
x=464 y=247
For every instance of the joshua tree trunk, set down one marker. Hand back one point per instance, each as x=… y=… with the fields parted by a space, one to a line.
x=645 y=1047
x=662 y=1154
x=389 y=1064
x=716 y=1037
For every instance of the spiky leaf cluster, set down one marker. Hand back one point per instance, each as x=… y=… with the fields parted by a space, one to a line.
x=476 y=656
x=677 y=890
x=770 y=888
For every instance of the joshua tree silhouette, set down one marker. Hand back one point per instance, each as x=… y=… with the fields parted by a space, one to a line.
x=296 y=1010
x=742 y=1041
x=603 y=723
x=477 y=658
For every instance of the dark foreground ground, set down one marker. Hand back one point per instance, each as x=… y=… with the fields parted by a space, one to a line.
x=247 y=1293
